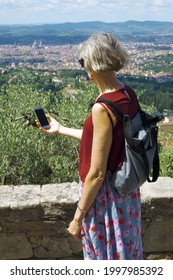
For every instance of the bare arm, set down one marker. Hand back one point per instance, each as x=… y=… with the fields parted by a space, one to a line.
x=56 y=128
x=71 y=132
x=102 y=140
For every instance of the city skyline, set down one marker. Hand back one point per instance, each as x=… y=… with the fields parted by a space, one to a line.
x=59 y=11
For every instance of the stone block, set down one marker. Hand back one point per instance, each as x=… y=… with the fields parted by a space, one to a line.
x=59 y=193
x=15 y=246
x=157 y=198
x=53 y=248
x=26 y=214
x=158 y=235
x=58 y=200
x=36 y=241
x=53 y=228
x=6 y=194
x=25 y=196
x=76 y=246
x=162 y=188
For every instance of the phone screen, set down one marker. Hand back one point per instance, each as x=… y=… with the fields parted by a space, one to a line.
x=41 y=117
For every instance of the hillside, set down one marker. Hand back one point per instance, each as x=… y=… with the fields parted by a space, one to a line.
x=76 y=32
x=28 y=156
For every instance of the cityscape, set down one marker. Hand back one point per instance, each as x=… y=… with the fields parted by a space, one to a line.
x=47 y=50
x=56 y=57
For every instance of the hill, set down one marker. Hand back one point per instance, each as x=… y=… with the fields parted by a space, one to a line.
x=73 y=33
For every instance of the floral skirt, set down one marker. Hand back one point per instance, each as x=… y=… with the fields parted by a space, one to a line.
x=112 y=226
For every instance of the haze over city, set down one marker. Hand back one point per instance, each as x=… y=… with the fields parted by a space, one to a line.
x=58 y=11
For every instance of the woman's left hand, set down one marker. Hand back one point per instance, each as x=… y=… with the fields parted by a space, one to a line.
x=75 y=229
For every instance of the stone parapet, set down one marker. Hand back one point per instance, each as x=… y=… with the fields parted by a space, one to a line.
x=34 y=221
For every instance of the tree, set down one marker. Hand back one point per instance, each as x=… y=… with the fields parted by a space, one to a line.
x=28 y=156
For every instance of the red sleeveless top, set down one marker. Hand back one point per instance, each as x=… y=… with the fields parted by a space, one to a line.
x=126 y=100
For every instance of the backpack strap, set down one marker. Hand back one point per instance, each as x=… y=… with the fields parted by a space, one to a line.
x=156 y=162
x=108 y=114
x=116 y=110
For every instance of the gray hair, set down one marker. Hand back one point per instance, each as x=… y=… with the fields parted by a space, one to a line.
x=102 y=51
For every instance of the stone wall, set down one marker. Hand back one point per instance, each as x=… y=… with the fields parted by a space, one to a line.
x=34 y=219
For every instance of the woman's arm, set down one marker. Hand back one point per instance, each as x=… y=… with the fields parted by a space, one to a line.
x=56 y=128
x=102 y=140
x=71 y=132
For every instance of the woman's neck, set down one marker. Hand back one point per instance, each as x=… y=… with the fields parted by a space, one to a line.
x=107 y=82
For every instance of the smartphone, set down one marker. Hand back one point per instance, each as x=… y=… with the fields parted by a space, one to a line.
x=40 y=114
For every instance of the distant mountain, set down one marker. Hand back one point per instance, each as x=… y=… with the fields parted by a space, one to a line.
x=128 y=26
x=76 y=32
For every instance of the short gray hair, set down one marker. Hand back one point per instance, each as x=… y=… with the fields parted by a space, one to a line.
x=102 y=51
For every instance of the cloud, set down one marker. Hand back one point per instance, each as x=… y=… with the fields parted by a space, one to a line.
x=70 y=4
x=37 y=4
x=34 y=11
x=17 y=4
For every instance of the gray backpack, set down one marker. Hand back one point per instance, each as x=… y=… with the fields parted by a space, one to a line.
x=141 y=150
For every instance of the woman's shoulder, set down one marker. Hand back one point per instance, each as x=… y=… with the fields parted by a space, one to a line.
x=123 y=94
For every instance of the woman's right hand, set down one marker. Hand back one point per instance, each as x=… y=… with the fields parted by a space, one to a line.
x=54 y=126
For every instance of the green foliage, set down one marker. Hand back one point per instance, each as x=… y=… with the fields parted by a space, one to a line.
x=151 y=92
x=27 y=155
x=166 y=162
x=166 y=154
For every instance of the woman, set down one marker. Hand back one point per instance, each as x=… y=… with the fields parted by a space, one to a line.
x=108 y=224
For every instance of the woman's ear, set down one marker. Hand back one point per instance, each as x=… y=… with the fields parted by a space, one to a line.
x=91 y=77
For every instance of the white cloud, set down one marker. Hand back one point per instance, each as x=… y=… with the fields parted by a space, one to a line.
x=159 y=3
x=18 y=2
x=84 y=10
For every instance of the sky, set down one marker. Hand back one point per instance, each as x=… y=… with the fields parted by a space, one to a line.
x=60 y=11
